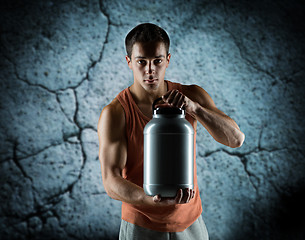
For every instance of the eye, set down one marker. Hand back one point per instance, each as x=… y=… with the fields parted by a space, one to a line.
x=142 y=62
x=157 y=61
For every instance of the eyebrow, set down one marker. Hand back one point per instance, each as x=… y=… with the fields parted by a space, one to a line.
x=160 y=56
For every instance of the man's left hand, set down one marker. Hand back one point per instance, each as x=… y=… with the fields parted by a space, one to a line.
x=177 y=99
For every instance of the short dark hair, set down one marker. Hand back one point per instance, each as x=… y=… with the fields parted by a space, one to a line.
x=146 y=32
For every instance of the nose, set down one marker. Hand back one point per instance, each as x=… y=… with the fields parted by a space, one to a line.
x=150 y=68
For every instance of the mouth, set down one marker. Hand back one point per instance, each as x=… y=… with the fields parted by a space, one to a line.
x=150 y=80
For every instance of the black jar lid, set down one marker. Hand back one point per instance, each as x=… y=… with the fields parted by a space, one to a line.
x=168 y=110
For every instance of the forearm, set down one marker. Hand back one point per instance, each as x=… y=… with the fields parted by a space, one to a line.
x=222 y=128
x=126 y=191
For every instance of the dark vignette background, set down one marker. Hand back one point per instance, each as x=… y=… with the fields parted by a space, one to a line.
x=61 y=62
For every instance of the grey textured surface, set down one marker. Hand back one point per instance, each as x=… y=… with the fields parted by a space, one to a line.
x=61 y=62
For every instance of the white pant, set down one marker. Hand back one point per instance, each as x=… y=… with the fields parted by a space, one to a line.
x=197 y=231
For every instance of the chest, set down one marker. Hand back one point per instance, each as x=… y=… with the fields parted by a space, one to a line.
x=146 y=110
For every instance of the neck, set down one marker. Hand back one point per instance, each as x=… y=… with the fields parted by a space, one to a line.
x=147 y=97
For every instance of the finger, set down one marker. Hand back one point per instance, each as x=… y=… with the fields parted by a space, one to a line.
x=176 y=97
x=193 y=193
x=189 y=194
x=179 y=196
x=171 y=96
x=180 y=102
x=165 y=96
x=186 y=195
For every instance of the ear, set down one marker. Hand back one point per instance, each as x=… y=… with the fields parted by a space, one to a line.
x=128 y=61
x=167 y=59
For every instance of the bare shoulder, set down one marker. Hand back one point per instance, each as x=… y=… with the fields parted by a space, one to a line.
x=112 y=117
x=113 y=109
x=199 y=95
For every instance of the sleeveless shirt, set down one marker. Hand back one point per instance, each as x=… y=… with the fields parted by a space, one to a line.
x=175 y=218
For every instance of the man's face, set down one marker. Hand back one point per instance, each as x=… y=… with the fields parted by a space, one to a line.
x=148 y=63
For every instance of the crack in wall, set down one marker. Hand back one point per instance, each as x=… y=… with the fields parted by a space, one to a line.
x=45 y=148
x=61 y=108
x=90 y=66
x=241 y=52
x=25 y=80
x=289 y=78
x=104 y=12
x=243 y=160
x=103 y=48
x=47 y=206
x=15 y=160
x=40 y=212
x=246 y=60
x=260 y=138
x=42 y=86
x=276 y=79
x=78 y=134
x=84 y=156
x=38 y=152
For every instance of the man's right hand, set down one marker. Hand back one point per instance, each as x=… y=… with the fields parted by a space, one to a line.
x=183 y=196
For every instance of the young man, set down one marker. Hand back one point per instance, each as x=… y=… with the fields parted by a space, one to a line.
x=120 y=131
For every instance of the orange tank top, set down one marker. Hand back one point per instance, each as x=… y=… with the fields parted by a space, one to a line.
x=175 y=218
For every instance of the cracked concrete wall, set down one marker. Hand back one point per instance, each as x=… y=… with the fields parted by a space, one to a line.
x=63 y=61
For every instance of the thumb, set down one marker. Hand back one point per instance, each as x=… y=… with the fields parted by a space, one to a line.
x=157 y=198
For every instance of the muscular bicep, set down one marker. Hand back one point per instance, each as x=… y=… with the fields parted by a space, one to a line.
x=199 y=95
x=112 y=143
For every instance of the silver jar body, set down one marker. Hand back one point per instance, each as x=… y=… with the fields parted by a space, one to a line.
x=168 y=155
